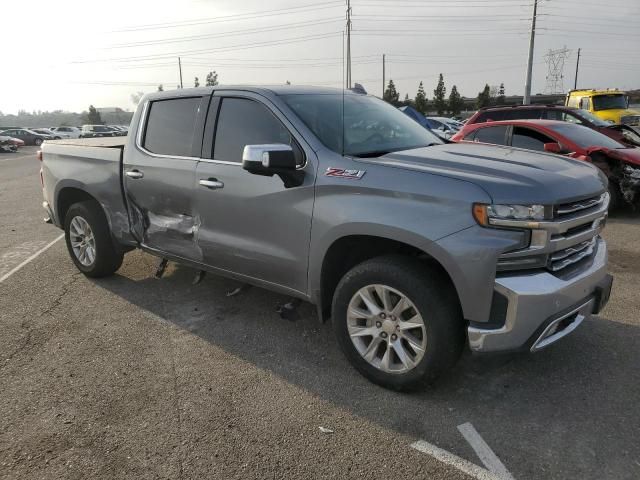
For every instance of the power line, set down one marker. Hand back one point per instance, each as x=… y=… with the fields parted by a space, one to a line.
x=228 y=48
x=235 y=17
x=244 y=31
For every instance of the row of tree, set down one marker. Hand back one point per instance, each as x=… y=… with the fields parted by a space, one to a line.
x=211 y=81
x=91 y=116
x=451 y=106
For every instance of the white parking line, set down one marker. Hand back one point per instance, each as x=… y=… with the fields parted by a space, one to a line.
x=449 y=458
x=484 y=452
x=30 y=259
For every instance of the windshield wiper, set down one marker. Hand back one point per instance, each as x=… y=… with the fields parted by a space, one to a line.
x=380 y=153
x=372 y=154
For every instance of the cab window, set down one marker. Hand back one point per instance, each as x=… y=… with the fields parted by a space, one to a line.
x=495 y=135
x=242 y=122
x=529 y=139
x=584 y=103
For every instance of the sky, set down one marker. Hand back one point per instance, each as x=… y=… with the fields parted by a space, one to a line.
x=67 y=55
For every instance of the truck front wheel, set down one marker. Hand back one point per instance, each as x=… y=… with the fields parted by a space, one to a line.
x=89 y=241
x=398 y=322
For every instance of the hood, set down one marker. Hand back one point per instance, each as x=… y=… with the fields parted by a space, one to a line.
x=508 y=175
x=615 y=114
x=625 y=155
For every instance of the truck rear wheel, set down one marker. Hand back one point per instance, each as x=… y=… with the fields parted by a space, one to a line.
x=89 y=241
x=398 y=323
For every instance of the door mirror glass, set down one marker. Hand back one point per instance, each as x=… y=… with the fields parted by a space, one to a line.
x=275 y=156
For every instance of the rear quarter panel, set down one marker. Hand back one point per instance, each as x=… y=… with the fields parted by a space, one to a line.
x=94 y=170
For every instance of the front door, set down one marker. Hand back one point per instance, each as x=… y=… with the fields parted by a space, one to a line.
x=159 y=175
x=253 y=225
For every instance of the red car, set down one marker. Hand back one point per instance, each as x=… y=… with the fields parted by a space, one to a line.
x=622 y=133
x=619 y=162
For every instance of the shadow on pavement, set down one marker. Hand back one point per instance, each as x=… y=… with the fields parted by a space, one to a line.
x=570 y=410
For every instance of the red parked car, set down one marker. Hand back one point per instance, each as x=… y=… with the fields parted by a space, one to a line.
x=622 y=133
x=619 y=162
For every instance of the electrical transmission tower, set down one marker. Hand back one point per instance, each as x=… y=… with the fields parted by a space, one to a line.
x=555 y=70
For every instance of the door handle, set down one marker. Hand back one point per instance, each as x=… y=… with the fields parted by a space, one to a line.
x=211 y=183
x=135 y=174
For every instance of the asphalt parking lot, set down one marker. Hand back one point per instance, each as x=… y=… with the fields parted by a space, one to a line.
x=137 y=377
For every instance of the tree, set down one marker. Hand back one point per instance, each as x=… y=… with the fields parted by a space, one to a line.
x=196 y=82
x=93 y=118
x=136 y=97
x=160 y=88
x=391 y=95
x=421 y=99
x=439 y=96
x=212 y=79
x=455 y=101
x=288 y=82
x=501 y=96
x=484 y=97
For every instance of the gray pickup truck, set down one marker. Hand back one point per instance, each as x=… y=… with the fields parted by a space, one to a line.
x=412 y=247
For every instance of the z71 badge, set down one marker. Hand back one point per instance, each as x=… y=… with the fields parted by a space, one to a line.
x=342 y=173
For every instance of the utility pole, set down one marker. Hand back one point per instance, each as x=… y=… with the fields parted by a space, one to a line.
x=348 y=43
x=383 y=75
x=180 y=69
x=527 y=86
x=575 y=84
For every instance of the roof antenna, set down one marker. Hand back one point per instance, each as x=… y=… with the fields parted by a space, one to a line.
x=343 y=89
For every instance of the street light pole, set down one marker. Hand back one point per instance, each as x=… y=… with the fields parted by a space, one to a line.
x=348 y=43
x=180 y=69
x=575 y=84
x=383 y=75
x=527 y=86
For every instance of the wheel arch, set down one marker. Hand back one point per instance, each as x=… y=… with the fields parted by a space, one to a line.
x=349 y=250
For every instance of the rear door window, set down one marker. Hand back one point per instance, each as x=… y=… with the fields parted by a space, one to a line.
x=495 y=135
x=170 y=127
x=529 y=139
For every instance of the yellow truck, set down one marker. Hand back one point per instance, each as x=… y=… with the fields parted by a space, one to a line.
x=610 y=105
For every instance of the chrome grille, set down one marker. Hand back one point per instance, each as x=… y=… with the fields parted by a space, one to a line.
x=568 y=256
x=569 y=208
x=570 y=237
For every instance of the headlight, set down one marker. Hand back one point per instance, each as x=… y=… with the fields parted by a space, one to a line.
x=487 y=215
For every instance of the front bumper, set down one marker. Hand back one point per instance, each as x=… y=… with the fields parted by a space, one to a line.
x=541 y=308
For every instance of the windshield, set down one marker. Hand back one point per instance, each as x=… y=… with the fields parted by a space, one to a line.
x=590 y=117
x=372 y=127
x=585 y=137
x=609 y=102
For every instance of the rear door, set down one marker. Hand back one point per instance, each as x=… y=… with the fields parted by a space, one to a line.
x=253 y=225
x=495 y=135
x=159 y=175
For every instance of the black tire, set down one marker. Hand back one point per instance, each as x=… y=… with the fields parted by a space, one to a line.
x=433 y=297
x=107 y=257
x=37 y=142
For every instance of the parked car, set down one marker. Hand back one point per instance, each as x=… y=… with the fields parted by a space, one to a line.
x=29 y=137
x=70 y=132
x=619 y=162
x=93 y=131
x=621 y=133
x=611 y=105
x=9 y=144
x=441 y=128
x=339 y=199
x=118 y=130
x=46 y=131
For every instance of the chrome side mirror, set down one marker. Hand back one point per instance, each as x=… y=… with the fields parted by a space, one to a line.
x=257 y=158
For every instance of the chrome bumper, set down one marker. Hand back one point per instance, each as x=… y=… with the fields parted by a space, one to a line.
x=542 y=308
